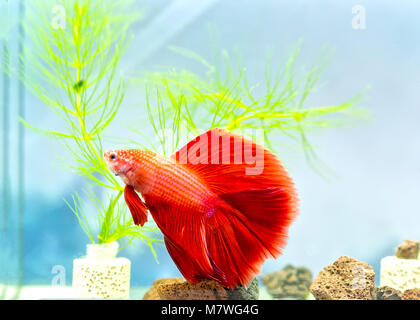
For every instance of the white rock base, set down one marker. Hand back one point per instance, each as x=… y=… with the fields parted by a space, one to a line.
x=400 y=274
x=100 y=275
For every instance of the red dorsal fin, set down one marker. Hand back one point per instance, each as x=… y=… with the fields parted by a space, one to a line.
x=229 y=163
x=137 y=208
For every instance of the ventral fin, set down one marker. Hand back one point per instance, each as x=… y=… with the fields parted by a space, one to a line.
x=137 y=207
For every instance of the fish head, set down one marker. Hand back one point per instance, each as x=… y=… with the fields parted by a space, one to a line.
x=122 y=163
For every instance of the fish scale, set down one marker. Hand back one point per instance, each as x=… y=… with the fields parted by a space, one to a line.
x=172 y=182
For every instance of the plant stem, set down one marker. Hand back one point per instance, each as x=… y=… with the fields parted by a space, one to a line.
x=118 y=195
x=79 y=114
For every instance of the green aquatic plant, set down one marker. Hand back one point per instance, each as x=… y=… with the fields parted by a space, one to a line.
x=114 y=222
x=224 y=97
x=71 y=63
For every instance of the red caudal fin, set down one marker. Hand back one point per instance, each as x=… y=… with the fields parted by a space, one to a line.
x=247 y=228
x=247 y=220
x=137 y=208
x=267 y=213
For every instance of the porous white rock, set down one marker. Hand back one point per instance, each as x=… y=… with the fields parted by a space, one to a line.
x=101 y=275
x=400 y=274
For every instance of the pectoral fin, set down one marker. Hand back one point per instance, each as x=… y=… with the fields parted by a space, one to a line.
x=137 y=207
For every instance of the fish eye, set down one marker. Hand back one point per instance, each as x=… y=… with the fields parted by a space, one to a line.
x=113 y=157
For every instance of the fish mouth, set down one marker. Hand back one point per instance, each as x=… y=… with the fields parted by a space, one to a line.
x=113 y=170
x=124 y=172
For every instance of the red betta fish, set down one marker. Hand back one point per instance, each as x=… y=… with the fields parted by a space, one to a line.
x=220 y=219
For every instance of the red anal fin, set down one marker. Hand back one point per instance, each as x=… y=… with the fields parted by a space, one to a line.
x=137 y=208
x=184 y=233
x=230 y=245
x=188 y=265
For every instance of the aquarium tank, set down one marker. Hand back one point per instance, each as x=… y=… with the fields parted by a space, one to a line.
x=195 y=150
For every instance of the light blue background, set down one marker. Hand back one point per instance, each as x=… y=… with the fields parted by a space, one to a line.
x=365 y=212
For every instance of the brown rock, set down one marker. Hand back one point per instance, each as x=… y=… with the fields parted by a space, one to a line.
x=347 y=278
x=290 y=282
x=179 y=289
x=387 y=293
x=204 y=290
x=153 y=294
x=409 y=249
x=411 y=294
x=243 y=293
